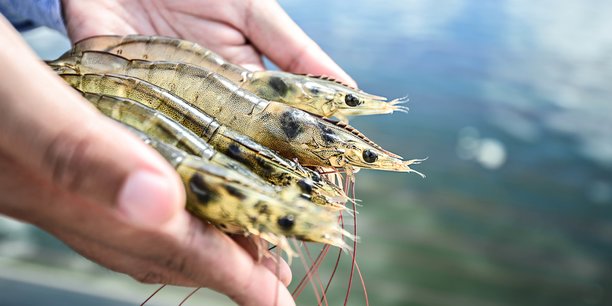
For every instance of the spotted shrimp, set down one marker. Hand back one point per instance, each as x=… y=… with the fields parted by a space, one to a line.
x=319 y=95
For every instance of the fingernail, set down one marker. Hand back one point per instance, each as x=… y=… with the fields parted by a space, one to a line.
x=146 y=199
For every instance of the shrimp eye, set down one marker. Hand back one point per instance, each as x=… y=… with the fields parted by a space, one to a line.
x=286 y=222
x=369 y=156
x=351 y=100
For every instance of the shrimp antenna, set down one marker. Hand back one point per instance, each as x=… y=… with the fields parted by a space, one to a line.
x=188 y=296
x=153 y=294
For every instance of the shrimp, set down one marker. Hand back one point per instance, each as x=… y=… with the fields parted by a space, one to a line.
x=294 y=133
x=319 y=95
x=220 y=196
x=160 y=103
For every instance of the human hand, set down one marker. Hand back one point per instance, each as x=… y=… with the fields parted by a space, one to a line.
x=239 y=30
x=80 y=176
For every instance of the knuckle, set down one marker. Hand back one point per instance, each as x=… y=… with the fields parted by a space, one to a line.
x=177 y=263
x=65 y=157
x=150 y=277
x=242 y=287
x=166 y=269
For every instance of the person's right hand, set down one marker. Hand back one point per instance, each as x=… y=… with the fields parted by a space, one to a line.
x=80 y=176
x=240 y=31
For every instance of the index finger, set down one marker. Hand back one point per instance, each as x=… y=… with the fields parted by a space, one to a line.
x=218 y=262
x=278 y=37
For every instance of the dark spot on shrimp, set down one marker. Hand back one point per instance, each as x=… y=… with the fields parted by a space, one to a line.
x=252 y=219
x=261 y=207
x=284 y=179
x=351 y=100
x=265 y=117
x=222 y=226
x=328 y=135
x=305 y=186
x=278 y=85
x=235 y=192
x=203 y=192
x=369 y=156
x=290 y=124
x=286 y=222
x=233 y=151
x=266 y=168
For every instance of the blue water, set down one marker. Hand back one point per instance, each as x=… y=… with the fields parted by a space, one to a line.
x=510 y=100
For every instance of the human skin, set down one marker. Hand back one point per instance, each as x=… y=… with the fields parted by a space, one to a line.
x=83 y=178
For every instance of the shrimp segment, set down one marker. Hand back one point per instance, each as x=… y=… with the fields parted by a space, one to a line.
x=292 y=132
x=318 y=95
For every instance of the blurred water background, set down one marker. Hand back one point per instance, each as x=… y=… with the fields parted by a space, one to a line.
x=510 y=100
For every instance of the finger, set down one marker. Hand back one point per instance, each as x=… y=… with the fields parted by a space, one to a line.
x=236 y=274
x=104 y=17
x=191 y=255
x=277 y=36
x=257 y=248
x=50 y=129
x=117 y=259
x=279 y=267
x=244 y=55
x=209 y=258
x=196 y=255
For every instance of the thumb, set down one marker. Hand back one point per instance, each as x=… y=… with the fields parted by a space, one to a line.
x=101 y=161
x=50 y=130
